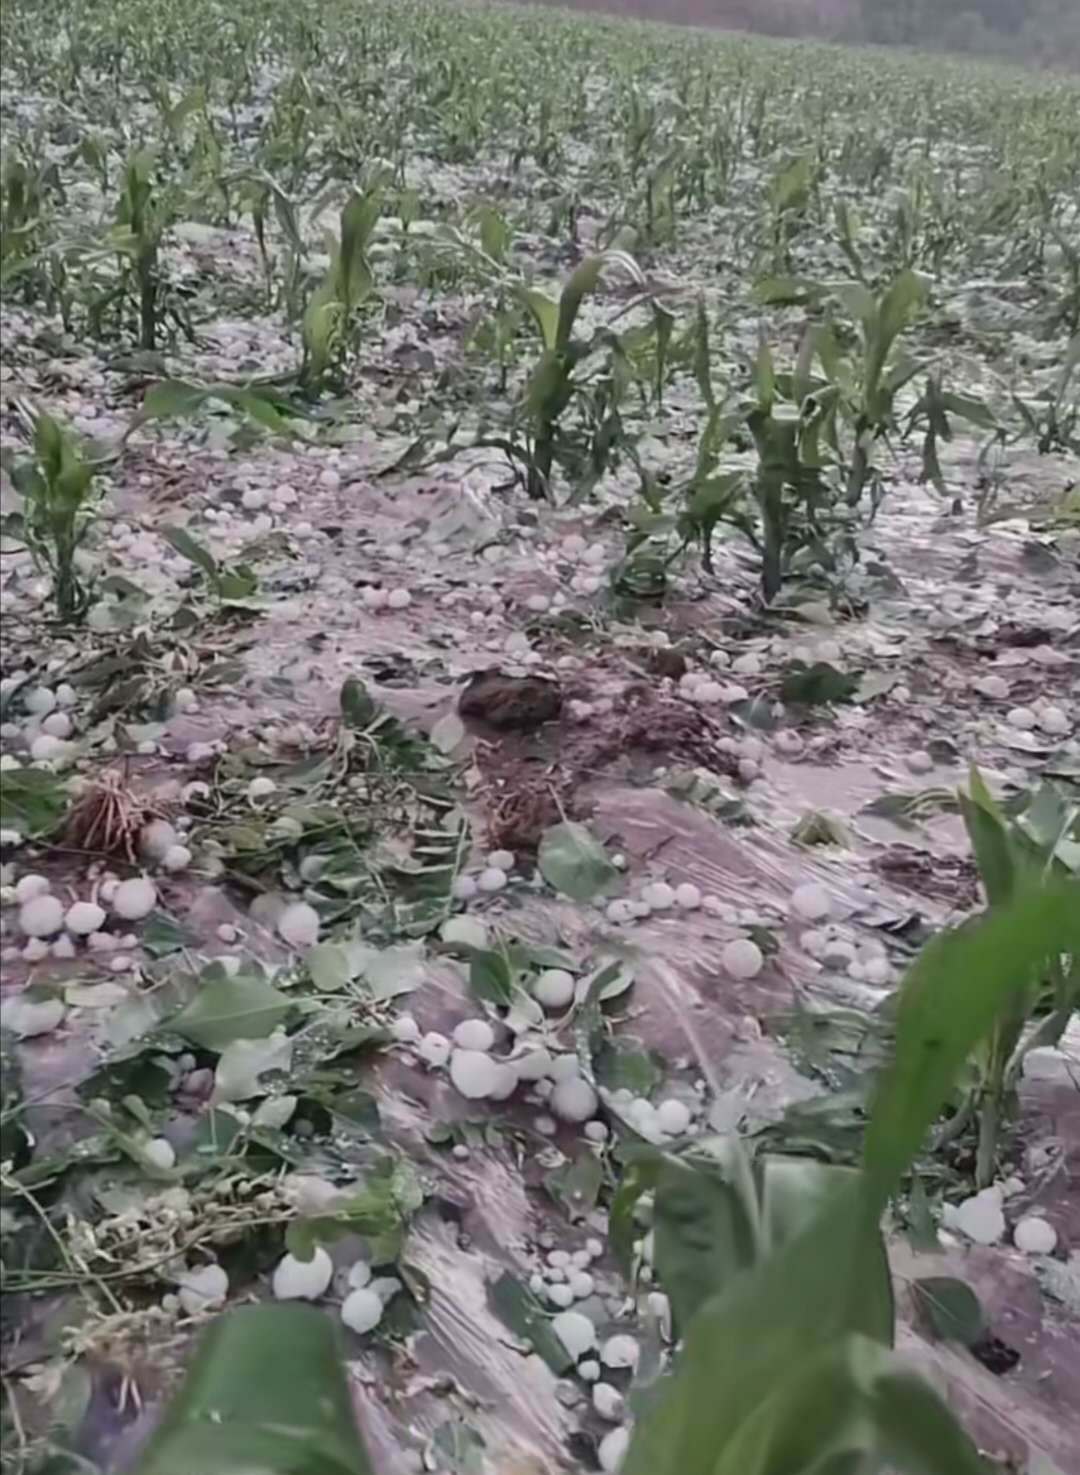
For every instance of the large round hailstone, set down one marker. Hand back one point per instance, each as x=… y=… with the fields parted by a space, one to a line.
x=434 y=1049
x=41 y=917
x=979 y=1217
x=621 y=1351
x=156 y=838
x=576 y=1332
x=302 y=1280
x=659 y=895
x=1035 y=1236
x=502 y=860
x=473 y=1073
x=27 y=1019
x=176 y=858
x=134 y=899
x=574 y=1100
x=620 y=911
x=160 y=1153
x=474 y=1034
x=48 y=749
x=811 y=901
x=673 y=1118
x=554 y=988
x=506 y=1081
x=491 y=879
x=57 y=724
x=39 y=701
x=742 y=958
x=687 y=897
x=299 y=925
x=1022 y=718
x=608 y=1402
x=27 y=887
x=201 y=1289
x=84 y=917
x=1054 y=720
x=405 y=1030
x=362 y=1310
x=465 y=888
x=613 y=1449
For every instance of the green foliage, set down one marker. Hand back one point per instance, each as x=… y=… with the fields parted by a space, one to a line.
x=328 y=318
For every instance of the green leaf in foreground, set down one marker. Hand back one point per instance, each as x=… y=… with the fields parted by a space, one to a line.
x=231 y=1009
x=519 y=1310
x=573 y=861
x=32 y=801
x=950 y=1309
x=265 y=1394
x=816 y=685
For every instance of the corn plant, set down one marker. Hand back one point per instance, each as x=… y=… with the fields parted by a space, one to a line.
x=29 y=191
x=141 y=219
x=1053 y=417
x=56 y=485
x=328 y=318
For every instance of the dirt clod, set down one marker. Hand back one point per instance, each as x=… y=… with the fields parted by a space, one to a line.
x=510 y=703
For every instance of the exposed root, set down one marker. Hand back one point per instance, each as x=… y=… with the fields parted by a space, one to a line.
x=108 y=817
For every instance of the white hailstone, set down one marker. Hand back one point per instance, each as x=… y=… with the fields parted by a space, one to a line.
x=63 y=947
x=36 y=949
x=876 y=971
x=608 y=1402
x=673 y=1118
x=362 y=1310
x=560 y=1295
x=534 y=1066
x=10 y=837
x=399 y=599
x=405 y=1030
x=581 y=1284
x=1054 y=720
x=505 y=1082
x=554 y=988
x=473 y=1073
x=491 y=879
x=134 y=899
x=465 y=888
x=302 y=1280
x=41 y=916
x=811 y=901
x=57 y=724
x=559 y=1259
x=202 y=1289
x=434 y=1049
x=566 y=1068
x=502 y=860
x=474 y=1034
x=596 y=1131
x=747 y=665
x=979 y=1217
x=29 y=886
x=1035 y=1236
x=576 y=1332
x=995 y=687
x=687 y=897
x=621 y=1351
x=735 y=693
x=200 y=752
x=47 y=749
x=920 y=761
x=159 y=1153
x=374 y=598
x=27 y=1019
x=84 y=917
x=260 y=788
x=709 y=693
x=589 y=1370
x=465 y=930
x=66 y=694
x=253 y=499
x=659 y=896
x=358 y=1275
x=1022 y=718
x=620 y=911
x=742 y=958
x=176 y=858
x=574 y=1100
x=39 y=701
x=538 y=603
x=299 y=925
x=156 y=838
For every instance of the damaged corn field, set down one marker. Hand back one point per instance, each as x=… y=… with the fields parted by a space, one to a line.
x=540 y=745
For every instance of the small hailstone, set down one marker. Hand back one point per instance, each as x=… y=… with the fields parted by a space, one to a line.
x=84 y=917
x=156 y=838
x=35 y=950
x=176 y=858
x=742 y=958
x=673 y=1118
x=574 y=1100
x=39 y=701
x=159 y=1153
x=48 y=749
x=303 y=1280
x=1035 y=1236
x=491 y=879
x=608 y=1402
x=687 y=896
x=735 y=693
x=566 y=1068
x=434 y=1049
x=27 y=1019
x=66 y=695
x=659 y=895
x=620 y=911
x=747 y=665
x=465 y=888
x=30 y=886
x=708 y=693
x=474 y=1034
x=919 y=761
x=596 y=1131
x=534 y=1066
x=373 y=598
x=405 y=1030
x=134 y=899
x=501 y=860
x=1053 y=720
x=979 y=1217
x=299 y=925
x=362 y=1310
x=41 y=916
x=811 y=901
x=202 y=1289
x=620 y=1351
x=63 y=947
x=876 y=971
x=576 y=1332
x=538 y=603
x=560 y=1295
x=589 y=1370
x=995 y=687
x=581 y=1284
x=399 y=599
x=1022 y=718
x=554 y=988
x=260 y=788
x=57 y=724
